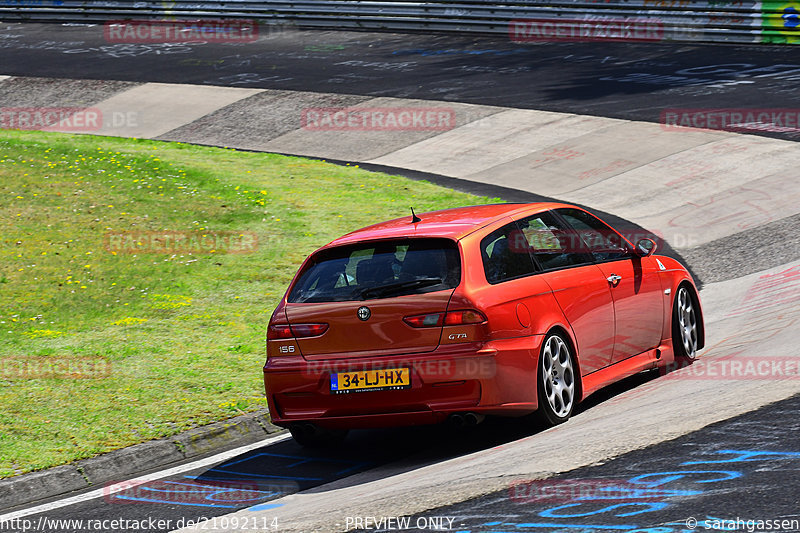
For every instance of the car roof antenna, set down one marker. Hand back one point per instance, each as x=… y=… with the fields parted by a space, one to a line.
x=414 y=217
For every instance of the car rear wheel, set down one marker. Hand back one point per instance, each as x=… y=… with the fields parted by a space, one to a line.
x=685 y=331
x=556 y=375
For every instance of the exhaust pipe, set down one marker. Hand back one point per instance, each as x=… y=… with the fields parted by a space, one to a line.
x=473 y=419
x=305 y=429
x=463 y=420
x=456 y=421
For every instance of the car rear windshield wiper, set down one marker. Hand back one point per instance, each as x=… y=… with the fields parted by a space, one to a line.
x=383 y=290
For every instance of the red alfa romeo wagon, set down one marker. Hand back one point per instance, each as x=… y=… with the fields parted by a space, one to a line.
x=505 y=309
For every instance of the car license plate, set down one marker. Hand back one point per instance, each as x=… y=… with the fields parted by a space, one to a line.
x=371 y=380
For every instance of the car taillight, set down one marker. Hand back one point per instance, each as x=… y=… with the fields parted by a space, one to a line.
x=450 y=318
x=465 y=316
x=424 y=321
x=281 y=331
x=285 y=331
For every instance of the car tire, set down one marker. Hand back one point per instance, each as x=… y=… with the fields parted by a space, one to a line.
x=685 y=326
x=557 y=385
x=312 y=436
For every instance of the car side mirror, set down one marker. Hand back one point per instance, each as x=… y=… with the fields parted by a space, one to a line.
x=645 y=247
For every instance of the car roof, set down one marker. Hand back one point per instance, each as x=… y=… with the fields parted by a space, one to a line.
x=455 y=223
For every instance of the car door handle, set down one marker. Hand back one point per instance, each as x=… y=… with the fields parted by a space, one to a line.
x=614 y=279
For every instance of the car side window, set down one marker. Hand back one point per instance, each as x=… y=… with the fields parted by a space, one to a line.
x=505 y=256
x=550 y=242
x=604 y=243
x=538 y=242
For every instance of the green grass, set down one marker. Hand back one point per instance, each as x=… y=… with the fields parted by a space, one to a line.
x=183 y=335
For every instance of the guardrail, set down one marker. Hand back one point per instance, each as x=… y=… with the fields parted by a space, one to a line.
x=679 y=20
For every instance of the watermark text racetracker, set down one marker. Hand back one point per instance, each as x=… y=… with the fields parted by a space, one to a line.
x=567 y=490
x=67 y=119
x=181 y=242
x=180 y=31
x=378 y=118
x=587 y=29
x=225 y=493
x=20 y=368
x=449 y=368
x=737 y=367
x=775 y=120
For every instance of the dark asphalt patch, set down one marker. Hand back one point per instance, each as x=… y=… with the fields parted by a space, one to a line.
x=42 y=92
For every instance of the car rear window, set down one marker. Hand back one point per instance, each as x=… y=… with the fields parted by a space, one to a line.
x=382 y=269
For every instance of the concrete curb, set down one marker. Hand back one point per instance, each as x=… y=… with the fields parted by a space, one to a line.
x=127 y=462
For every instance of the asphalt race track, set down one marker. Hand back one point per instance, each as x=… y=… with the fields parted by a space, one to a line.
x=744 y=468
x=575 y=122
x=621 y=80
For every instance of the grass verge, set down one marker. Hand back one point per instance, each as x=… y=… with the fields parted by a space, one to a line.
x=102 y=347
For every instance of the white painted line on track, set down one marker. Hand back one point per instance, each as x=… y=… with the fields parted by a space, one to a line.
x=118 y=487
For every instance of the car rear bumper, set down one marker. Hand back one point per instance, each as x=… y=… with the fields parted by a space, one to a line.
x=491 y=378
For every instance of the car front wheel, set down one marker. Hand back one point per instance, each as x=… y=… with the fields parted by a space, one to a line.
x=685 y=331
